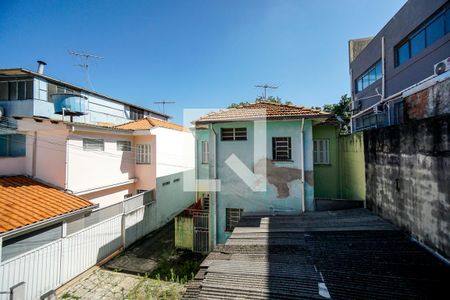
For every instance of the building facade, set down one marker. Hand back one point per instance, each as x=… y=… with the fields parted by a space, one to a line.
x=258 y=159
x=403 y=54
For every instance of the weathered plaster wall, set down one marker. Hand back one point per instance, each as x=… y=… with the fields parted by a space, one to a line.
x=236 y=194
x=408 y=176
x=184 y=232
x=326 y=177
x=352 y=168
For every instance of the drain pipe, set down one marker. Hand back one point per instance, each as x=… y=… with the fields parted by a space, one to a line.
x=302 y=160
x=214 y=215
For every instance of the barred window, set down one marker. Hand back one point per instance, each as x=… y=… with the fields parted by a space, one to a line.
x=281 y=148
x=123 y=146
x=322 y=151
x=234 y=134
x=93 y=145
x=143 y=154
x=233 y=215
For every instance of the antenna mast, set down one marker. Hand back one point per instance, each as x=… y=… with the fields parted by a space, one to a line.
x=84 y=58
x=265 y=87
x=164 y=103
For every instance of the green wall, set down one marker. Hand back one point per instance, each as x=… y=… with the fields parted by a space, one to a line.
x=352 y=171
x=344 y=177
x=184 y=232
x=326 y=177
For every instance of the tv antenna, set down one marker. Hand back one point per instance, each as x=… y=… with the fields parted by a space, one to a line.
x=265 y=87
x=84 y=64
x=163 y=104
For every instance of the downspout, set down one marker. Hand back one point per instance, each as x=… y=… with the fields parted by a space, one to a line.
x=302 y=160
x=34 y=155
x=383 y=81
x=214 y=221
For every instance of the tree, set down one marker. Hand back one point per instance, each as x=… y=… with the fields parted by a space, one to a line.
x=342 y=110
x=268 y=99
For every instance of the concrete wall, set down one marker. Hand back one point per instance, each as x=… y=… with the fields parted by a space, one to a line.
x=408 y=175
x=170 y=196
x=175 y=151
x=352 y=167
x=326 y=177
x=184 y=232
x=12 y=165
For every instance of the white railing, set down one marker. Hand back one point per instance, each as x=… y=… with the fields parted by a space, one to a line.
x=48 y=267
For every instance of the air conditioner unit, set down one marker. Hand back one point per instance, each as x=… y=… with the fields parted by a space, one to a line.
x=378 y=109
x=442 y=66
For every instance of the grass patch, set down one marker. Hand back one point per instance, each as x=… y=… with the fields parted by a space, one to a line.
x=179 y=268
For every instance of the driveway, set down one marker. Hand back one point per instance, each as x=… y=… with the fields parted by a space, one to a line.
x=348 y=254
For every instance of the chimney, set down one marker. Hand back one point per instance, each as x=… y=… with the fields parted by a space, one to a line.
x=41 y=66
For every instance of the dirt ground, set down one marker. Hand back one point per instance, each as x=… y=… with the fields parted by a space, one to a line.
x=150 y=269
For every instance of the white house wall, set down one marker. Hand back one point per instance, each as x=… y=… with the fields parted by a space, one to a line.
x=93 y=169
x=175 y=151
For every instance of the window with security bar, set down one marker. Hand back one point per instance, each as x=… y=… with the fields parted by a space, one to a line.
x=322 y=151
x=123 y=145
x=143 y=154
x=93 y=145
x=233 y=215
x=281 y=148
x=234 y=134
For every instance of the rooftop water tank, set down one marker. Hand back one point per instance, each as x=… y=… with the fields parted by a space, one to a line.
x=69 y=104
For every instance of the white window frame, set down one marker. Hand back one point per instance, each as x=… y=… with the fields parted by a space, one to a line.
x=321 y=151
x=233 y=134
x=90 y=144
x=143 y=154
x=205 y=152
x=123 y=146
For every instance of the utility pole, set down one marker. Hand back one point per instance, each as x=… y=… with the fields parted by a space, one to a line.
x=163 y=104
x=265 y=87
x=84 y=58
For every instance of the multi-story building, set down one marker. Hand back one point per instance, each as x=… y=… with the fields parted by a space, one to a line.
x=413 y=47
x=26 y=93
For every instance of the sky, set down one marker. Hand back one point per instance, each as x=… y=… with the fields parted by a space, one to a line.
x=197 y=53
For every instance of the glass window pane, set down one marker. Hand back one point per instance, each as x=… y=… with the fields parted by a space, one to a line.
x=365 y=81
x=379 y=70
x=372 y=76
x=435 y=30
x=29 y=89
x=403 y=53
x=447 y=21
x=4 y=91
x=21 y=90
x=12 y=90
x=418 y=43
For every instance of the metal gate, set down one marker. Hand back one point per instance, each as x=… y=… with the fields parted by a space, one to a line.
x=201 y=232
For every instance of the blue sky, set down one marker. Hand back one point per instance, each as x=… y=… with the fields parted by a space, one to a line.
x=198 y=53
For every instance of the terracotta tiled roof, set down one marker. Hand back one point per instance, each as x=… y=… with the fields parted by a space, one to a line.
x=149 y=123
x=24 y=201
x=272 y=111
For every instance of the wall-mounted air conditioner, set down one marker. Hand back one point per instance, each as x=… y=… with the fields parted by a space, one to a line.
x=442 y=66
x=378 y=109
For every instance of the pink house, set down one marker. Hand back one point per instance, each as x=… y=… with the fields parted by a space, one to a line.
x=100 y=163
